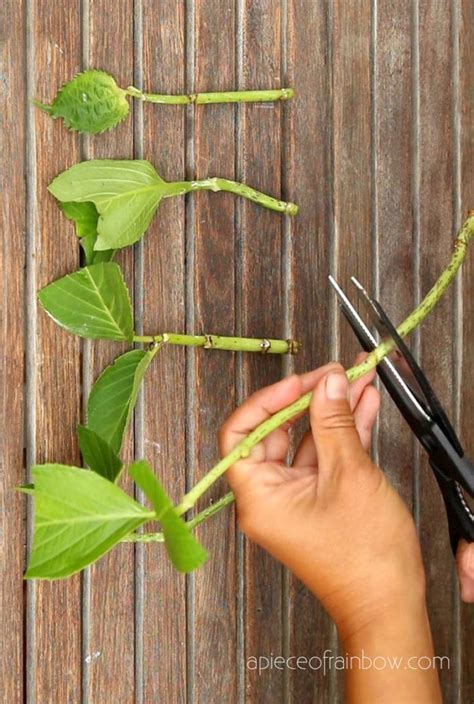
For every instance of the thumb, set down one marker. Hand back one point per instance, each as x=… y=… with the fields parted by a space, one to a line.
x=332 y=422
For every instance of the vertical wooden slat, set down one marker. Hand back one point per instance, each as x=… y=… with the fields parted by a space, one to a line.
x=352 y=151
x=393 y=211
x=306 y=171
x=56 y=660
x=352 y=123
x=12 y=263
x=262 y=310
x=109 y=637
x=466 y=63
x=436 y=241
x=164 y=605
x=213 y=618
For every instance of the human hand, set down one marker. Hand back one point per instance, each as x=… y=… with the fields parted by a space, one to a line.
x=465 y=568
x=332 y=517
x=338 y=524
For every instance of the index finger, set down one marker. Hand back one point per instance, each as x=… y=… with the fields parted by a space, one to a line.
x=264 y=403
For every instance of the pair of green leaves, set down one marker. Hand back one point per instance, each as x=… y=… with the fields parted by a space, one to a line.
x=112 y=202
x=79 y=516
x=94 y=302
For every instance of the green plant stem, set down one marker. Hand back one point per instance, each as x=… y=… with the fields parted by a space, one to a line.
x=219 y=342
x=246 y=96
x=203 y=515
x=178 y=188
x=244 y=447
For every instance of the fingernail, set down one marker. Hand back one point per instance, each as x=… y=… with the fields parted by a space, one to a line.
x=337 y=387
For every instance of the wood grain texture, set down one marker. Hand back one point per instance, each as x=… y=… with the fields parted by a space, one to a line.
x=436 y=224
x=307 y=179
x=110 y=634
x=394 y=134
x=212 y=610
x=164 y=440
x=352 y=154
x=55 y=674
x=12 y=264
x=466 y=96
x=352 y=105
x=261 y=267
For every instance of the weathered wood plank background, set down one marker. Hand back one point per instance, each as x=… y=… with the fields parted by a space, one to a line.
x=377 y=148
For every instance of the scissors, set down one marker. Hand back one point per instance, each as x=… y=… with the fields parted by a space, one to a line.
x=417 y=402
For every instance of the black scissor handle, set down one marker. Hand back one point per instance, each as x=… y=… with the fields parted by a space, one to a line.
x=460 y=517
x=447 y=461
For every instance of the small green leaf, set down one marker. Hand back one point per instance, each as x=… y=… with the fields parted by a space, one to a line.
x=184 y=551
x=90 y=102
x=84 y=215
x=126 y=194
x=90 y=255
x=92 y=302
x=114 y=394
x=98 y=454
x=79 y=516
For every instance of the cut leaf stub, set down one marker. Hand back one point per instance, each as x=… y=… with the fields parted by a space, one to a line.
x=90 y=102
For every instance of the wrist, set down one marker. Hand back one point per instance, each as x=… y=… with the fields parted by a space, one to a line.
x=392 y=656
x=388 y=620
x=377 y=601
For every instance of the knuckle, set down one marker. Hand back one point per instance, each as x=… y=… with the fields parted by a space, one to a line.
x=336 y=420
x=334 y=367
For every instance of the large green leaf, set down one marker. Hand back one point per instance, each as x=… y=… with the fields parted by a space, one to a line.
x=184 y=551
x=98 y=454
x=92 y=302
x=125 y=193
x=79 y=516
x=114 y=394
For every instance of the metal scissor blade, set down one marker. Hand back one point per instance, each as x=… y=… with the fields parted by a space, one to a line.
x=378 y=318
x=407 y=366
x=361 y=330
x=405 y=399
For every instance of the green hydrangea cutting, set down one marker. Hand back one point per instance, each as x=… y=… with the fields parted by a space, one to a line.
x=81 y=513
